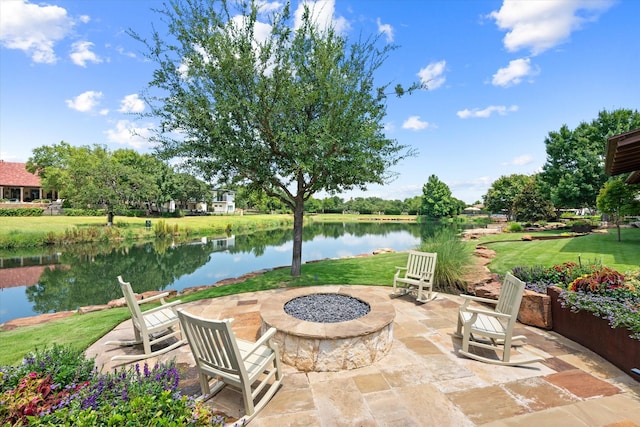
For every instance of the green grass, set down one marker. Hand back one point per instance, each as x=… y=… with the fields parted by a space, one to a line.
x=622 y=256
x=31 y=231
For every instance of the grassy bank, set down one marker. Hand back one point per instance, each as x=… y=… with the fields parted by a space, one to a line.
x=511 y=251
x=24 y=232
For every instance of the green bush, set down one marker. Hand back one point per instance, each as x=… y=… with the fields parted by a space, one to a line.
x=514 y=227
x=453 y=257
x=21 y=212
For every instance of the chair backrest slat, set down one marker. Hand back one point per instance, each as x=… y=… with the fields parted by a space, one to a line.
x=510 y=296
x=419 y=263
x=132 y=303
x=212 y=342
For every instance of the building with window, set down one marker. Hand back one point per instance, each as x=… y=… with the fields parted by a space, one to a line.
x=19 y=185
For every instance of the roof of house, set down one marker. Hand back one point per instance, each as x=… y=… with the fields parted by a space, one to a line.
x=623 y=155
x=15 y=174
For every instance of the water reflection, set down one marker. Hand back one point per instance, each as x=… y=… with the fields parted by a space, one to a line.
x=82 y=275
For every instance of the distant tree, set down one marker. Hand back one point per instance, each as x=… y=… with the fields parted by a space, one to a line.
x=189 y=188
x=412 y=205
x=618 y=199
x=503 y=192
x=332 y=204
x=437 y=201
x=294 y=112
x=574 y=171
x=531 y=204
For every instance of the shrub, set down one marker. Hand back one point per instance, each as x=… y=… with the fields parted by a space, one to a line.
x=21 y=212
x=453 y=257
x=514 y=227
x=537 y=278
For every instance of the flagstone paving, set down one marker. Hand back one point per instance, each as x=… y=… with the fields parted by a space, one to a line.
x=422 y=381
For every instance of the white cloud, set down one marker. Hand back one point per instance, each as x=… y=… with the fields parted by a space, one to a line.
x=85 y=19
x=269 y=6
x=525 y=159
x=34 y=29
x=414 y=123
x=487 y=112
x=513 y=73
x=131 y=104
x=85 y=102
x=389 y=127
x=126 y=133
x=432 y=74
x=81 y=54
x=322 y=15
x=542 y=25
x=121 y=51
x=385 y=29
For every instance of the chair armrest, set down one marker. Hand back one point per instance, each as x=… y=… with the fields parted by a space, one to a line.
x=487 y=313
x=263 y=339
x=162 y=307
x=401 y=268
x=479 y=299
x=153 y=298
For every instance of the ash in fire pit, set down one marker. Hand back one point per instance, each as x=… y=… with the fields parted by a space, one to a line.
x=326 y=308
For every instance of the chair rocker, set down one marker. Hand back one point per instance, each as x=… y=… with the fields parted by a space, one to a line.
x=493 y=329
x=150 y=327
x=231 y=361
x=418 y=276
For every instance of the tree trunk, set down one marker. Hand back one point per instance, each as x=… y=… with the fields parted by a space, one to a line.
x=109 y=218
x=618 y=226
x=298 y=215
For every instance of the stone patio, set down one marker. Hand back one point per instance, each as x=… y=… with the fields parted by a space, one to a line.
x=422 y=381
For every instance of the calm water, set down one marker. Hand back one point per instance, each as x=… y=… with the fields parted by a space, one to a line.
x=84 y=275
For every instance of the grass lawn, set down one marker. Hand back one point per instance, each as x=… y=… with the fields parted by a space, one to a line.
x=605 y=248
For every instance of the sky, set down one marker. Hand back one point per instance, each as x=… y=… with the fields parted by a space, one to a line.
x=500 y=75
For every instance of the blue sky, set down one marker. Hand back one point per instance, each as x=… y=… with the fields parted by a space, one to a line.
x=501 y=76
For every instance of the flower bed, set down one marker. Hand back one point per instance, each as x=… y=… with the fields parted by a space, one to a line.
x=59 y=386
x=593 y=305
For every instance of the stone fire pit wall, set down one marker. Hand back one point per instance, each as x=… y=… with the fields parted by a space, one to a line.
x=314 y=346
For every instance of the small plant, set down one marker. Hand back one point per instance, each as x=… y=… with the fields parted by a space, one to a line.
x=514 y=227
x=453 y=257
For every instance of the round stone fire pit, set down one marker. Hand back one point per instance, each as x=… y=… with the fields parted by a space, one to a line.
x=330 y=345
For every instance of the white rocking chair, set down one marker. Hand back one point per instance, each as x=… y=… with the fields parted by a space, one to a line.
x=418 y=276
x=247 y=366
x=150 y=327
x=493 y=329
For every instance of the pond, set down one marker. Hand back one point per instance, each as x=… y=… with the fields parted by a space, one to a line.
x=79 y=275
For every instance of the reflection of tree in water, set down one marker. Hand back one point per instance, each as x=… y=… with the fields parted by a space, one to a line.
x=90 y=278
x=87 y=274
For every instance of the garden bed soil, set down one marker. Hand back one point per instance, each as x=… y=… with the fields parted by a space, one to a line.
x=594 y=333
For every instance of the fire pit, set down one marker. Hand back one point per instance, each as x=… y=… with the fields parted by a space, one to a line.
x=323 y=339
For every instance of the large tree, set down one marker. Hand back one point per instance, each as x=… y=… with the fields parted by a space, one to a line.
x=503 y=192
x=437 y=201
x=618 y=199
x=532 y=205
x=574 y=171
x=289 y=108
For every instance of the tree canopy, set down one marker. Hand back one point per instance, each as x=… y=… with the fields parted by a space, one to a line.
x=285 y=105
x=92 y=176
x=574 y=171
x=618 y=199
x=437 y=201
x=531 y=205
x=501 y=196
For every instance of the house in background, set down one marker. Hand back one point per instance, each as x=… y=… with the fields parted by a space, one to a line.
x=19 y=185
x=223 y=202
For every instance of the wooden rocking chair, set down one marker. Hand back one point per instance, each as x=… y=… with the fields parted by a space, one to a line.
x=493 y=329
x=418 y=276
x=219 y=355
x=150 y=327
